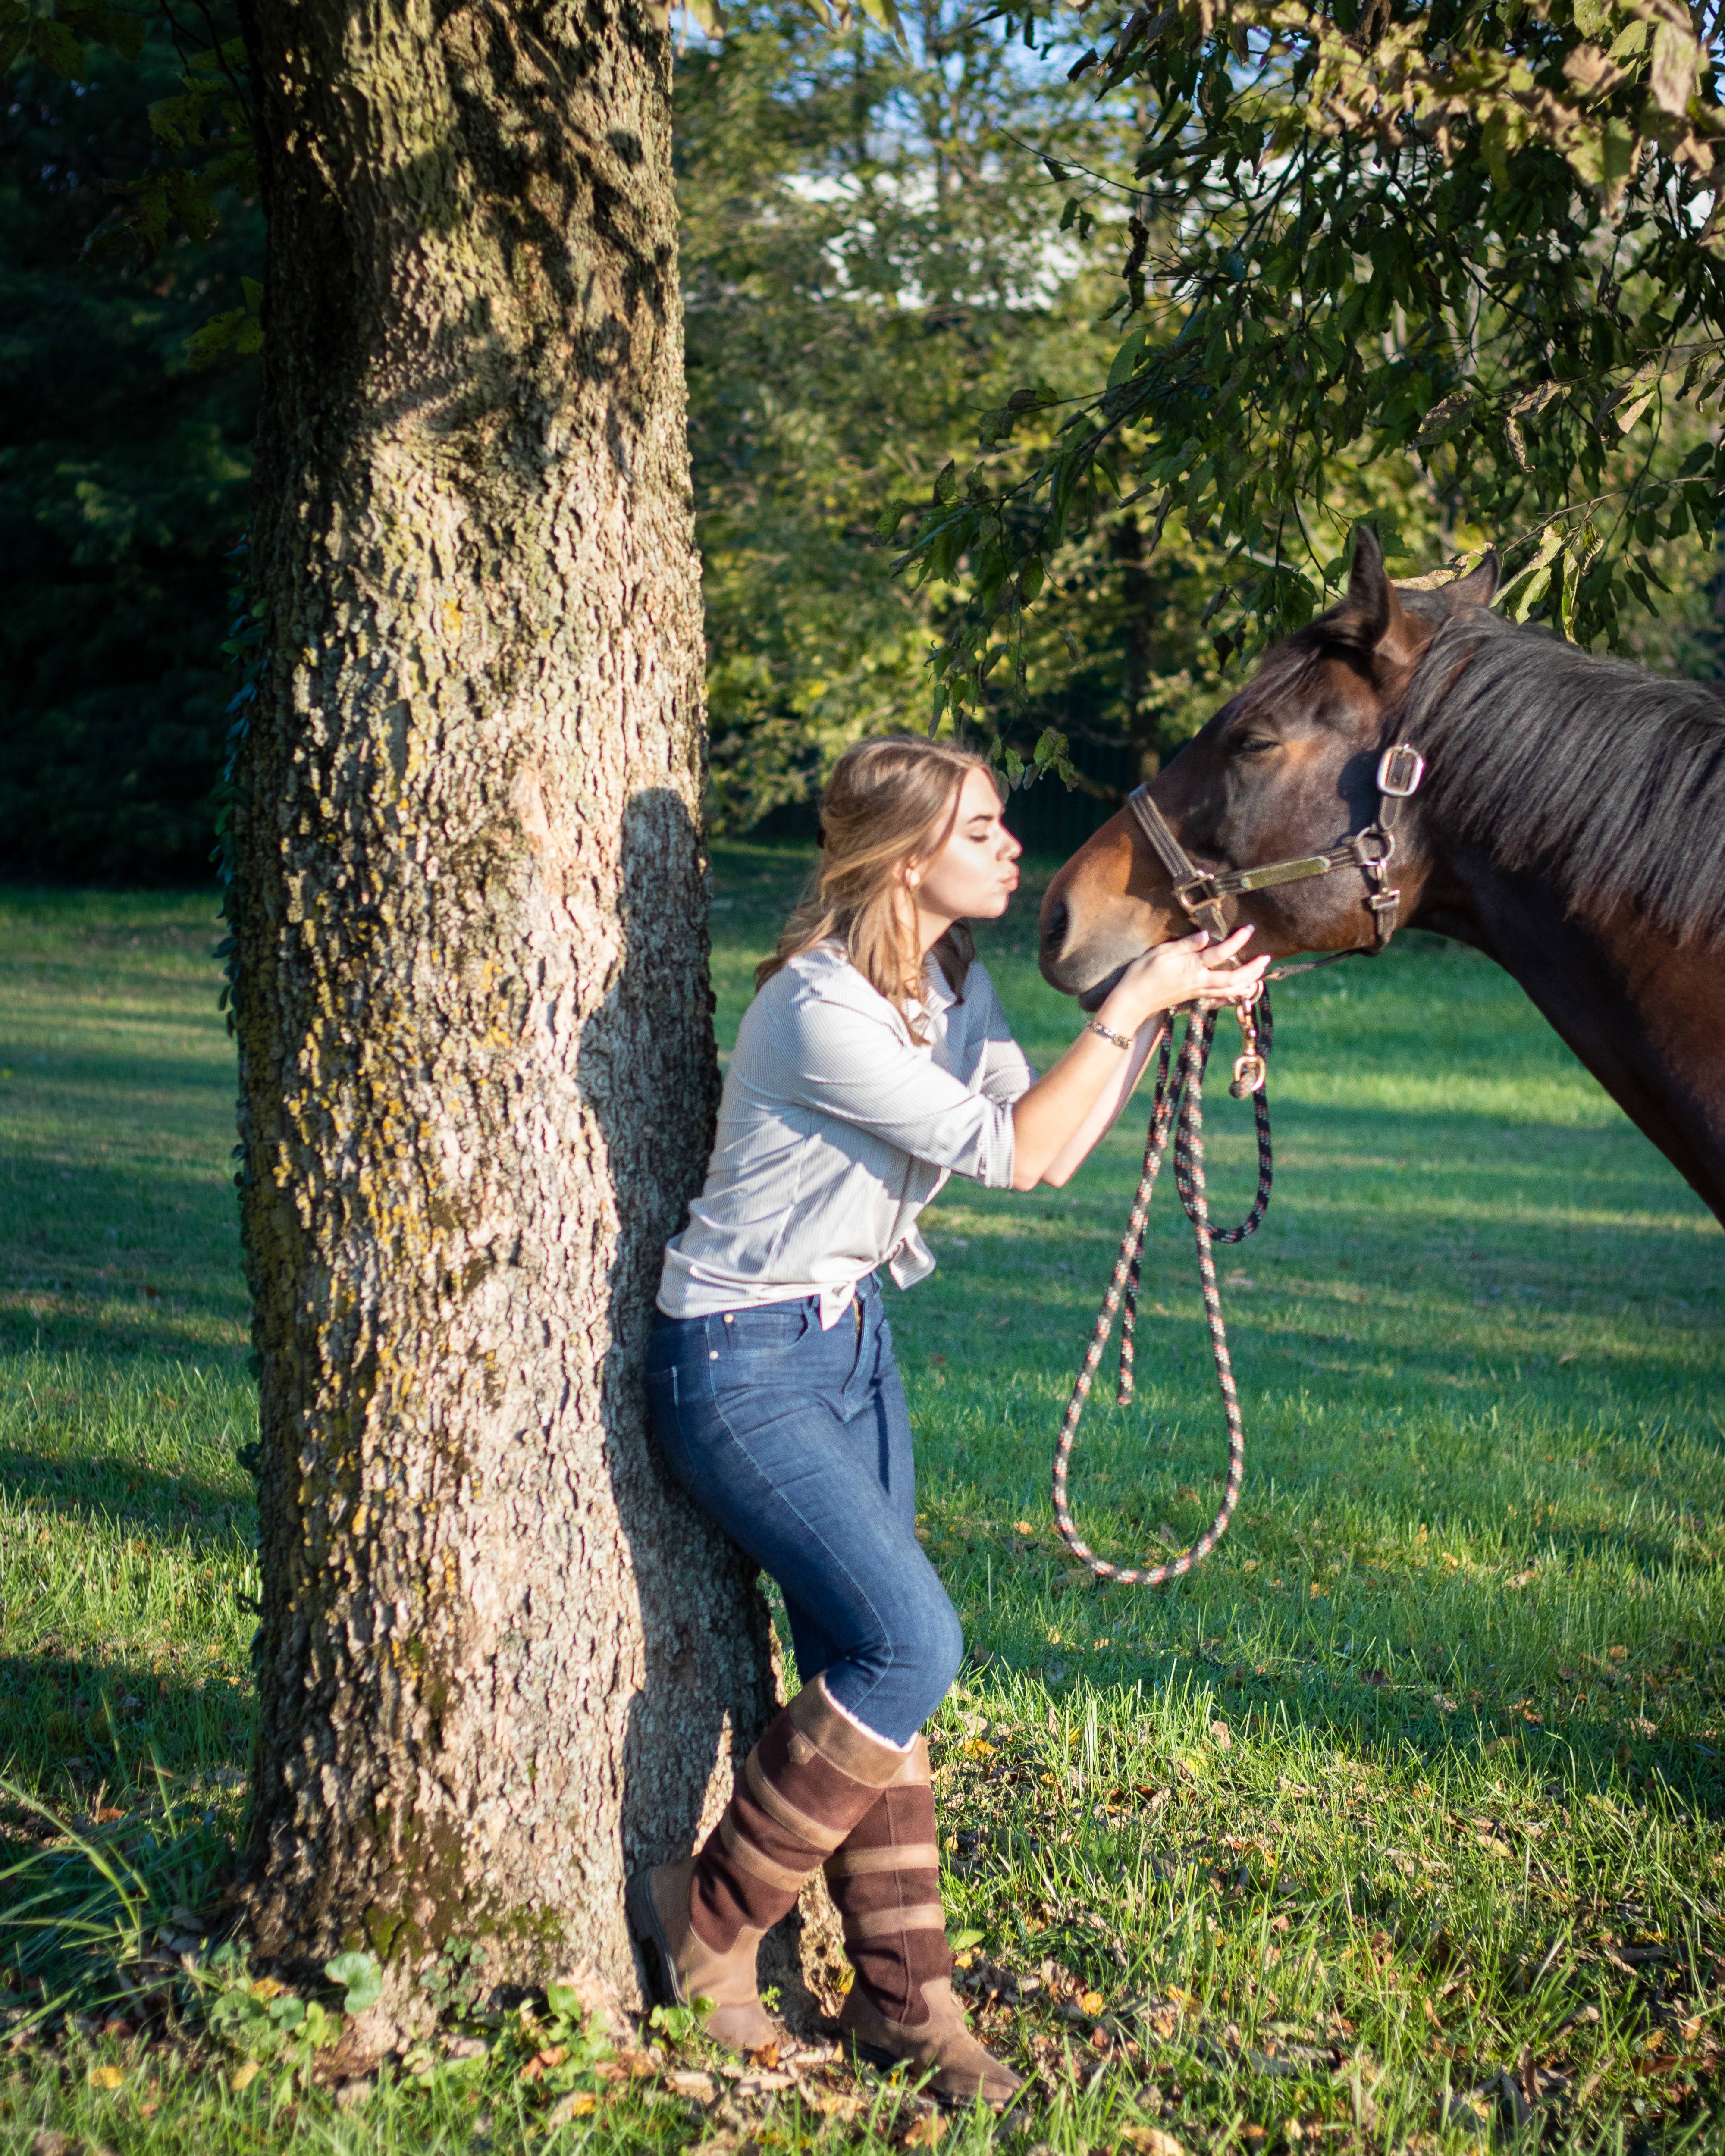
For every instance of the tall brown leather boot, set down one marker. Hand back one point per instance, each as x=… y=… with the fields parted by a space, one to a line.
x=886 y=1882
x=811 y=1778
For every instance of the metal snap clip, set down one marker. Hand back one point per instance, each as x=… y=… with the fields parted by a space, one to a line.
x=1248 y=1075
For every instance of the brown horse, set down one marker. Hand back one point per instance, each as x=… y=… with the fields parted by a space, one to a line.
x=1570 y=824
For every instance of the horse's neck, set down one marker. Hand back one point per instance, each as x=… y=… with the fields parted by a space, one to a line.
x=1646 y=1016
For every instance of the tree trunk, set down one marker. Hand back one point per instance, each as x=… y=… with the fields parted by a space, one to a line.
x=501 y=1659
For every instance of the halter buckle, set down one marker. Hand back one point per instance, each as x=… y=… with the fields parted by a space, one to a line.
x=1400 y=770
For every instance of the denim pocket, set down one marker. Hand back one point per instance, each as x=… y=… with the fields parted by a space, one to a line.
x=771 y=1331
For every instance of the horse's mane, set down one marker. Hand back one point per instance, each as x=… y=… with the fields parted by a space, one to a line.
x=1610 y=779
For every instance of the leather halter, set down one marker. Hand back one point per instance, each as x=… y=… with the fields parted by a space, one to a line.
x=1199 y=892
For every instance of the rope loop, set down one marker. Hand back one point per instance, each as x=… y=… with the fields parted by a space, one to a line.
x=1177 y=1109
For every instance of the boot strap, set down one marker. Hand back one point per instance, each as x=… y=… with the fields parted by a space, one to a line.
x=793 y=1821
x=744 y=1852
x=907 y=1857
x=881 y=1923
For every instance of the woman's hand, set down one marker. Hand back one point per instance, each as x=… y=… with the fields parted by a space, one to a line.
x=1195 y=969
x=1056 y=1123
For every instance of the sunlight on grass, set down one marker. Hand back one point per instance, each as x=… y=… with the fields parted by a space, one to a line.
x=1414 y=1786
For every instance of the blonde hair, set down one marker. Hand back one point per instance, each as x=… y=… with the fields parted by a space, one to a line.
x=888 y=801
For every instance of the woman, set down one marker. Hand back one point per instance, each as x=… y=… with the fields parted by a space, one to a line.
x=864 y=1076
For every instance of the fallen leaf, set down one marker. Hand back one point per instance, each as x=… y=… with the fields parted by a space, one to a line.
x=581 y=2105
x=691 y=2081
x=1151 y=2141
x=1220 y=1738
x=243 y=2076
x=107 y=2077
x=1022 y=1528
x=830 y=2103
x=925 y=2131
x=1093 y=2002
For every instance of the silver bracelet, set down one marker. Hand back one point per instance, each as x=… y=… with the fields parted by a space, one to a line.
x=1119 y=1040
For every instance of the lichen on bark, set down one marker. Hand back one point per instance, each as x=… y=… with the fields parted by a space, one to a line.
x=501 y=1659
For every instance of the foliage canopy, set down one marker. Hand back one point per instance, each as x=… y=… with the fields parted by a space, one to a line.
x=1467 y=255
x=1164 y=298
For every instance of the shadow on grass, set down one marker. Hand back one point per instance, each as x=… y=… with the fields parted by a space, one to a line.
x=100 y=1488
x=1394 y=1726
x=74 y=1724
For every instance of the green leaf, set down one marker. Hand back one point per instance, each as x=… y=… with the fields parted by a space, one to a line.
x=361 y=1977
x=962 y=1941
x=1125 y=360
x=1494 y=147
x=884 y=15
x=208 y=344
x=57 y=47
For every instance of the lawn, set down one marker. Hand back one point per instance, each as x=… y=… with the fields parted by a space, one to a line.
x=1396 y=1825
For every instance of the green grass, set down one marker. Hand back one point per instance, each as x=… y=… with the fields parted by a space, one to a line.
x=1415 y=1783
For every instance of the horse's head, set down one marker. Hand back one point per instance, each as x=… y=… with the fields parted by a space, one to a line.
x=1287 y=767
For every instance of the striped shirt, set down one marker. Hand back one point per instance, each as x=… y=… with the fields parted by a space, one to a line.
x=836 y=1129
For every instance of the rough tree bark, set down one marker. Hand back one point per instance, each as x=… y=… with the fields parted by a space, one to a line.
x=500 y=1660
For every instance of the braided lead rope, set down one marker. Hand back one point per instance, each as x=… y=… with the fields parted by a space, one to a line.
x=1186 y=1092
x=1260 y=1119
x=1260 y=1202
x=1129 y=1315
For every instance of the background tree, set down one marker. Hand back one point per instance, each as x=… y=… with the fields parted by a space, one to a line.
x=869 y=258
x=123 y=474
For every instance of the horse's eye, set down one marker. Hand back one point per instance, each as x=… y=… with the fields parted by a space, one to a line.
x=1255 y=744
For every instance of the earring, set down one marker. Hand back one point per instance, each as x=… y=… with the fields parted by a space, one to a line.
x=913 y=879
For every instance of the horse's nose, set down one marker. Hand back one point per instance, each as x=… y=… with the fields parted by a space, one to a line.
x=1055 y=921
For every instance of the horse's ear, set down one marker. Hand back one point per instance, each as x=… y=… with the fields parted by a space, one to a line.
x=1478 y=587
x=1371 y=613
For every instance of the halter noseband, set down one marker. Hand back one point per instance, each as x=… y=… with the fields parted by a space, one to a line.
x=1199 y=893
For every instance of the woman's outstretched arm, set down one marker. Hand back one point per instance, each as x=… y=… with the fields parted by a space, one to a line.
x=1057 y=1122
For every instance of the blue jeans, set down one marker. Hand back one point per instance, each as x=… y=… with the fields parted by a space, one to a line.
x=798 y=1443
